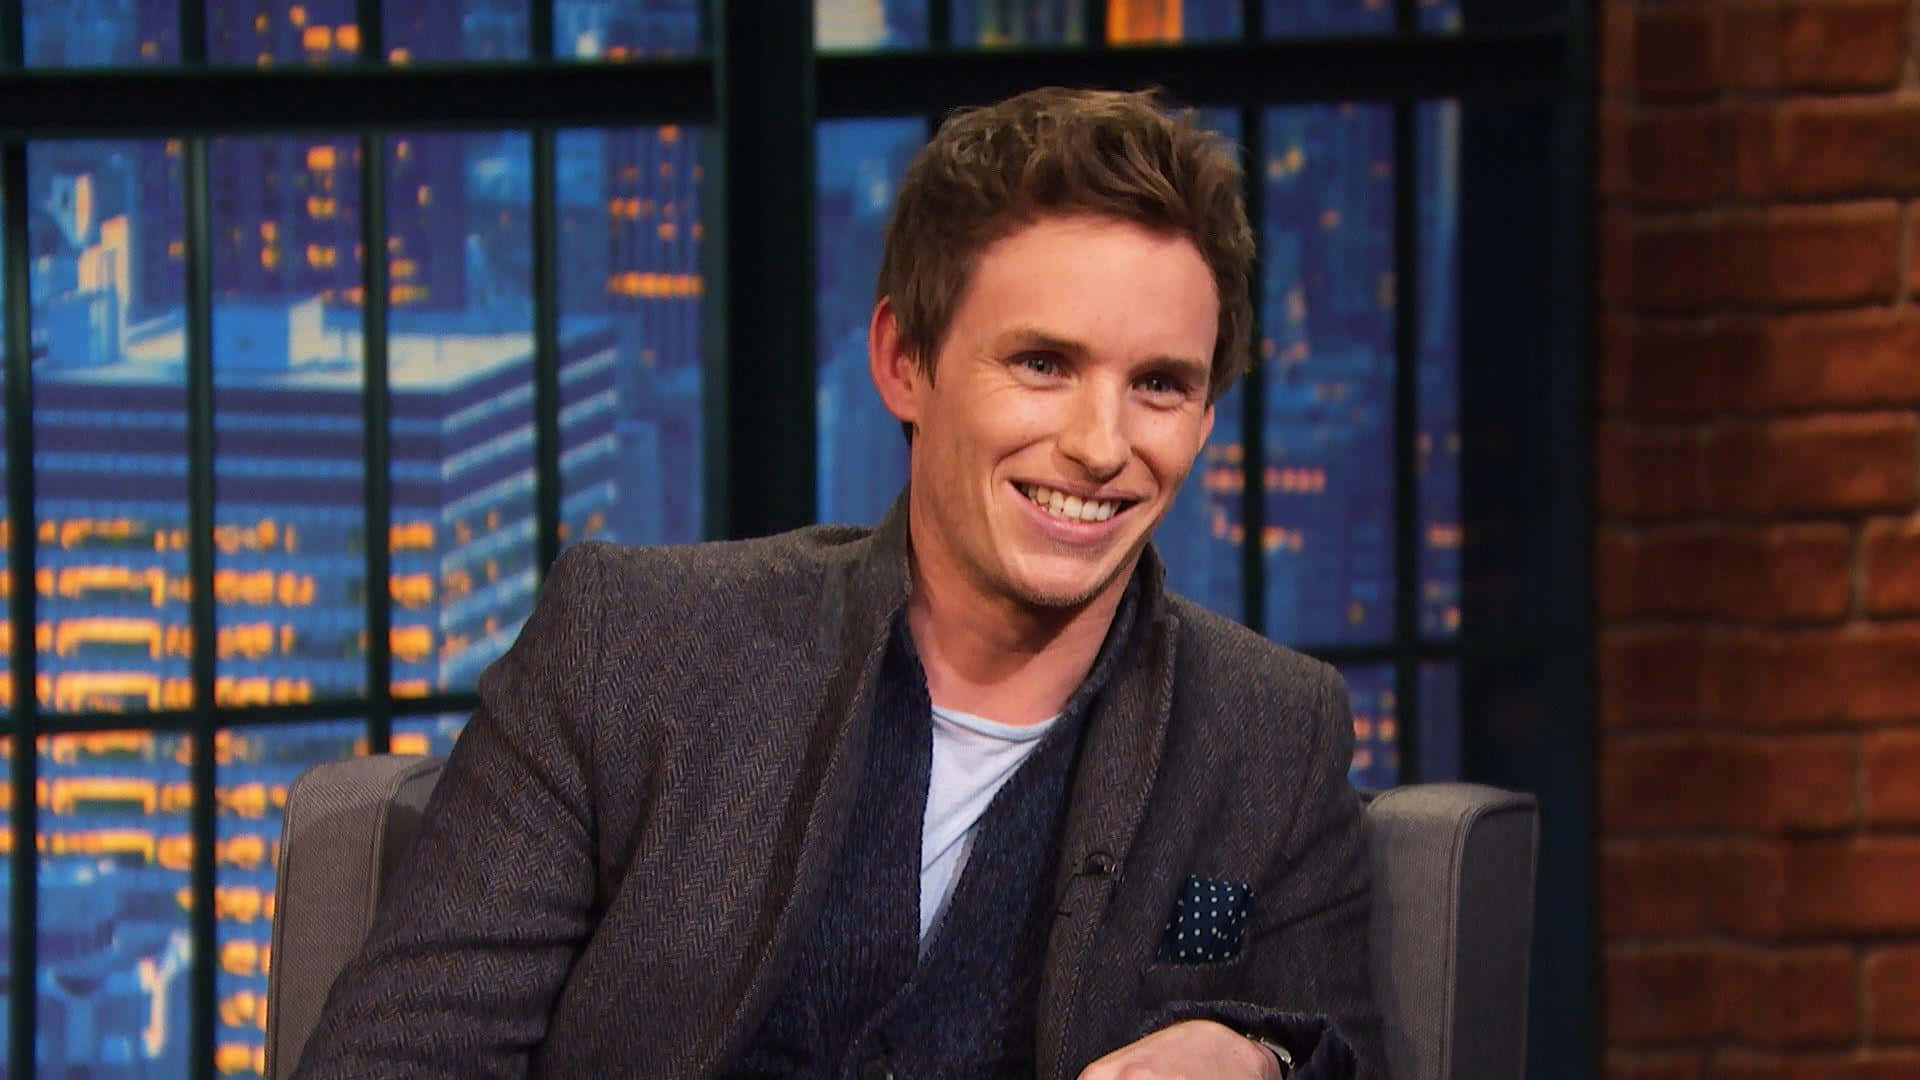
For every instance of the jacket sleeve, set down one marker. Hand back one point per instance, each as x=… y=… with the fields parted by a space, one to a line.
x=1309 y=983
x=477 y=930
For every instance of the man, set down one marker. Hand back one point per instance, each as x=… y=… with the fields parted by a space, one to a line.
x=967 y=795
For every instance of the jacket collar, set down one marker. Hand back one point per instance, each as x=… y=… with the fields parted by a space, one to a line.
x=1122 y=740
x=1119 y=758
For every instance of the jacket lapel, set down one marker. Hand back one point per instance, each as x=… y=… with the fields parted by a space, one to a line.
x=1119 y=759
x=861 y=599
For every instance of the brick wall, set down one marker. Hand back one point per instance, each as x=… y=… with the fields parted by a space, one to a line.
x=1758 y=555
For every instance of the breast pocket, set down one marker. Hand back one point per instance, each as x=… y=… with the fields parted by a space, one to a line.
x=1218 y=980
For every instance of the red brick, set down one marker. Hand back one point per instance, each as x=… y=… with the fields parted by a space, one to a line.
x=1649 y=473
x=1893 y=994
x=1693 y=368
x=1860 y=885
x=1691 y=887
x=1655 y=888
x=1828 y=148
x=1614 y=177
x=1890 y=766
x=1665 y=994
x=1790 y=997
x=1892 y=566
x=1616 y=47
x=1652 y=678
x=1674 y=54
x=1726 y=781
x=1805 y=47
x=1615 y=255
x=1682 y=1065
x=1782 y=572
x=1659 y=995
x=1851 y=1065
x=1615 y=383
x=1842 y=462
x=1683 y=155
x=1791 y=256
x=1865 y=674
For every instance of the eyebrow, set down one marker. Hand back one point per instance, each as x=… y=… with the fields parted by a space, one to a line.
x=1030 y=337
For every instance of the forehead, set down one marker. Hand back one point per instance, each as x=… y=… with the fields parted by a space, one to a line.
x=1096 y=279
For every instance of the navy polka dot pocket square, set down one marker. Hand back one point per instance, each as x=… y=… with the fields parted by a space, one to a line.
x=1208 y=919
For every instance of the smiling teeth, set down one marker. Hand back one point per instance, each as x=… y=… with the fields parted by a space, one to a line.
x=1071 y=507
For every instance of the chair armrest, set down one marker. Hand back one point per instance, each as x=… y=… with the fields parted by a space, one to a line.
x=1453 y=868
x=346 y=826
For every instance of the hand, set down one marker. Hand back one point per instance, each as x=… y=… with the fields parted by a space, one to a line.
x=1189 y=1050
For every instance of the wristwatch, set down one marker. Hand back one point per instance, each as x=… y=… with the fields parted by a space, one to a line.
x=1279 y=1052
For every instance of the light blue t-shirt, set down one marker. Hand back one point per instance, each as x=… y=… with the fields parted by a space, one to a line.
x=972 y=758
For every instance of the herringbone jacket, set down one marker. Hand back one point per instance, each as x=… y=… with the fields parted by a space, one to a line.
x=632 y=835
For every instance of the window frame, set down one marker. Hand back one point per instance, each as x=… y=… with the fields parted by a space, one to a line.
x=760 y=88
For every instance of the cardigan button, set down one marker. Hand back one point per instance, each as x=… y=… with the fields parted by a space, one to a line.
x=876 y=1069
x=1099 y=864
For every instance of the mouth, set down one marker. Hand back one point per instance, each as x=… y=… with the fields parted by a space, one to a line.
x=1074 y=508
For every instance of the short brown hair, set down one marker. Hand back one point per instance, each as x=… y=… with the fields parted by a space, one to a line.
x=990 y=170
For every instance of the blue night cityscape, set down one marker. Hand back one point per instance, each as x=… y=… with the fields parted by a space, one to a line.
x=107 y=251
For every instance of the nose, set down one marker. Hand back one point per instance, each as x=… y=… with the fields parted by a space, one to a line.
x=1094 y=435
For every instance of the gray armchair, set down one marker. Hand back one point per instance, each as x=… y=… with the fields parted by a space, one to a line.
x=1452 y=919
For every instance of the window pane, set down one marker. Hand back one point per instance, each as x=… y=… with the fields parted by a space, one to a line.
x=1327 y=312
x=427 y=734
x=289 y=461
x=1018 y=22
x=624 y=29
x=1327 y=18
x=454 y=30
x=460 y=356
x=262 y=33
x=1149 y=21
x=1203 y=535
x=115 y=859
x=862 y=452
x=869 y=25
x=112 y=33
x=1376 y=727
x=1440 y=721
x=630 y=301
x=110 y=412
x=1440 y=16
x=255 y=768
x=1438 y=365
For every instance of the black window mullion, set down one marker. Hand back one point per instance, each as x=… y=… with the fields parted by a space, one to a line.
x=366 y=16
x=1253 y=390
x=1406 y=433
x=939 y=24
x=22 y=610
x=546 y=353
x=1094 y=20
x=377 y=447
x=540 y=29
x=764 y=94
x=546 y=319
x=200 y=558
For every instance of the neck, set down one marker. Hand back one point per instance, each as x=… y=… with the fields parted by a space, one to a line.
x=1011 y=663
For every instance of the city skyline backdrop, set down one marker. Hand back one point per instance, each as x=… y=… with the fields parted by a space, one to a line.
x=107 y=251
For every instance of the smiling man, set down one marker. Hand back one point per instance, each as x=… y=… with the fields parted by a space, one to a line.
x=968 y=794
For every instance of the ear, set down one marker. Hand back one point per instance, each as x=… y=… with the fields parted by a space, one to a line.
x=896 y=373
x=1206 y=430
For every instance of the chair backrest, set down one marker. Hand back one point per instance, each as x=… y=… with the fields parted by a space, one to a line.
x=346 y=825
x=1453 y=872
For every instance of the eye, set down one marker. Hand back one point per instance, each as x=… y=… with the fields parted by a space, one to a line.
x=1039 y=363
x=1164 y=384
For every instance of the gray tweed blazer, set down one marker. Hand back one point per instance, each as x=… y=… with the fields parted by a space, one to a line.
x=633 y=833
